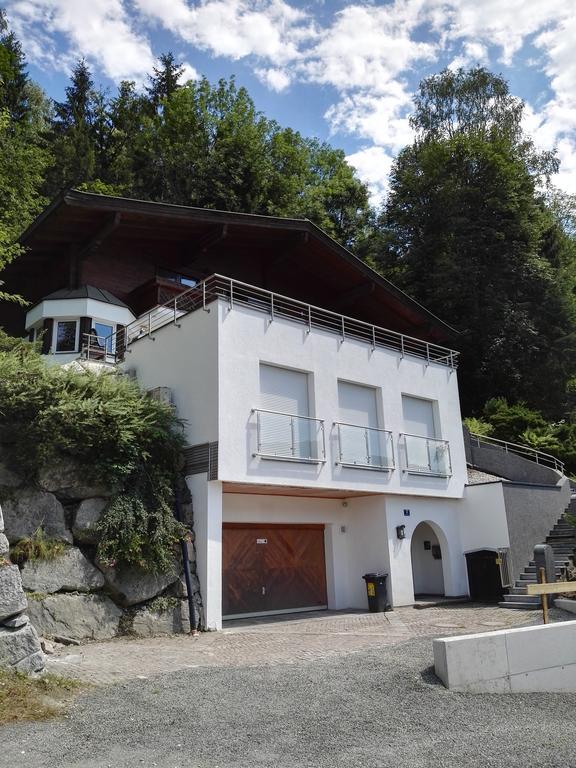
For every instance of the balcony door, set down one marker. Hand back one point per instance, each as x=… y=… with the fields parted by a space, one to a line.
x=284 y=431
x=419 y=423
x=359 y=443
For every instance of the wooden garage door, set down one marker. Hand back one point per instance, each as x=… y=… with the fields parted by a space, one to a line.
x=272 y=568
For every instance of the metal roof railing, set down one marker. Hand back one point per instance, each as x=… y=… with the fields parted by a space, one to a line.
x=237 y=293
x=525 y=451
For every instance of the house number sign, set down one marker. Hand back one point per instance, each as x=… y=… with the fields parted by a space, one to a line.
x=261 y=541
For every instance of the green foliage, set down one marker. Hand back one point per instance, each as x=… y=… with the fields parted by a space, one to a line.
x=478 y=426
x=120 y=438
x=203 y=145
x=517 y=423
x=37 y=547
x=467 y=231
x=163 y=604
x=137 y=534
x=511 y=421
x=24 y=156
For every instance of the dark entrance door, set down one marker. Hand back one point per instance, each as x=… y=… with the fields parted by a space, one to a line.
x=272 y=568
x=484 y=576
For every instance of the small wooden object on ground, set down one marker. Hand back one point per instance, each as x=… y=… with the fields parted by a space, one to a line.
x=543 y=589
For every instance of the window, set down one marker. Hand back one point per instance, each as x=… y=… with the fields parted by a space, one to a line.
x=360 y=442
x=66 y=335
x=424 y=453
x=284 y=429
x=418 y=416
x=176 y=277
x=103 y=336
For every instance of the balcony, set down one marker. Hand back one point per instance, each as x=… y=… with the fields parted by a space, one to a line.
x=426 y=456
x=287 y=437
x=364 y=447
x=275 y=306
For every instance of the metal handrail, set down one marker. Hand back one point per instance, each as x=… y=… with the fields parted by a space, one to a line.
x=533 y=454
x=276 y=305
x=94 y=347
x=288 y=452
x=368 y=463
x=420 y=469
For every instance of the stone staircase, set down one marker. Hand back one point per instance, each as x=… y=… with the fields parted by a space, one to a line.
x=562 y=539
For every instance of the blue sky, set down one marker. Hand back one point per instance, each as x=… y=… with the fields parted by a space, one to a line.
x=341 y=71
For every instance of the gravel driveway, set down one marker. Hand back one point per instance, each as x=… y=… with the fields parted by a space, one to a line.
x=368 y=709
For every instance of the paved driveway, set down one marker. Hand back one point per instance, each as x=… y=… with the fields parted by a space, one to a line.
x=252 y=701
x=279 y=640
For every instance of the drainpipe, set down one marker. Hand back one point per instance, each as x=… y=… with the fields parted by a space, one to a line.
x=186 y=564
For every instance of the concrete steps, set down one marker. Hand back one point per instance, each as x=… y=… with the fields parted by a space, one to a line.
x=562 y=539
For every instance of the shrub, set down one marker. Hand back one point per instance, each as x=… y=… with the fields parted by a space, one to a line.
x=510 y=421
x=120 y=437
x=134 y=534
x=478 y=426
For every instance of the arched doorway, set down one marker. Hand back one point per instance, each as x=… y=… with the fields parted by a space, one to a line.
x=426 y=553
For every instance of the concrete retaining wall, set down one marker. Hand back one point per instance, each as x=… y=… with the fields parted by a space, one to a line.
x=530 y=659
x=531 y=512
x=493 y=459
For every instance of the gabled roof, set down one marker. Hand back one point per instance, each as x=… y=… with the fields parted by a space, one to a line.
x=288 y=255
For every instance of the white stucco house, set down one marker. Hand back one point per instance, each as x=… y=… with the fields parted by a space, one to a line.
x=320 y=404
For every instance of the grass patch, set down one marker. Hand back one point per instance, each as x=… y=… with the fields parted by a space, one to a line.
x=34 y=698
x=37 y=547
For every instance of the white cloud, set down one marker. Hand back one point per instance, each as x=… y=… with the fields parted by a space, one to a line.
x=271 y=30
x=380 y=118
x=367 y=47
x=189 y=73
x=276 y=79
x=373 y=167
x=368 y=53
x=100 y=30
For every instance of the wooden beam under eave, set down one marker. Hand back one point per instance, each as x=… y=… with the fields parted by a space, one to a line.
x=203 y=244
x=284 y=252
x=353 y=294
x=78 y=254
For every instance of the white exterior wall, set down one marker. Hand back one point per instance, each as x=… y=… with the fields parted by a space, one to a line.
x=247 y=338
x=61 y=309
x=185 y=359
x=482 y=518
x=443 y=517
x=207 y=501
x=361 y=548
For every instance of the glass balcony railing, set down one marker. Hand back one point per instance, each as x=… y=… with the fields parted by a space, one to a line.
x=426 y=455
x=288 y=437
x=364 y=447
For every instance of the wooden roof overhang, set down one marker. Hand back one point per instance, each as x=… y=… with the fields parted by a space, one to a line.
x=289 y=256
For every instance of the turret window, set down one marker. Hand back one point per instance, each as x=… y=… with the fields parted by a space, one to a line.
x=66 y=332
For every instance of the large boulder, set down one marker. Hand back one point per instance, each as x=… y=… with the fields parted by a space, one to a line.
x=68 y=480
x=80 y=617
x=148 y=622
x=4 y=546
x=12 y=597
x=87 y=515
x=70 y=572
x=20 y=649
x=27 y=510
x=129 y=586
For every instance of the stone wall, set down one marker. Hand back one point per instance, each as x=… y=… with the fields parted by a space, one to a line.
x=20 y=647
x=72 y=596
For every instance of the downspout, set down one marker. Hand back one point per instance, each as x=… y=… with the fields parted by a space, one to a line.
x=186 y=565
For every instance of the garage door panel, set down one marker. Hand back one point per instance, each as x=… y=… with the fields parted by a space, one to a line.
x=286 y=570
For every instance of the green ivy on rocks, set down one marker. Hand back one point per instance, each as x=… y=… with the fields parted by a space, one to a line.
x=120 y=438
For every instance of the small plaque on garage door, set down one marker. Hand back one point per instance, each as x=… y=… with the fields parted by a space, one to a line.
x=261 y=541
